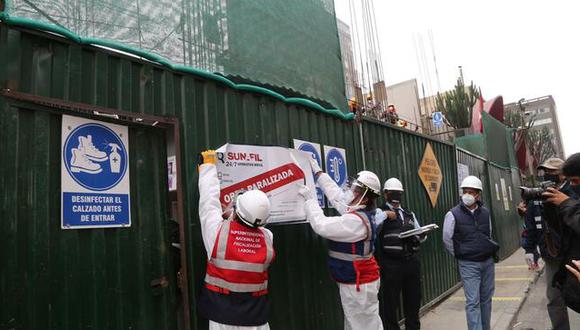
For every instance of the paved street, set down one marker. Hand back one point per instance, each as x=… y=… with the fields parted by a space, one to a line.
x=519 y=301
x=533 y=314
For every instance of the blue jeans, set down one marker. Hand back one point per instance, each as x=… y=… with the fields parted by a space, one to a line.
x=479 y=284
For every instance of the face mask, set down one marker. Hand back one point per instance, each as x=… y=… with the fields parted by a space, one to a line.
x=394 y=196
x=552 y=177
x=468 y=199
x=348 y=197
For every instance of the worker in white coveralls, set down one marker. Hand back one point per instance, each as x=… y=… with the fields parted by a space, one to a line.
x=239 y=251
x=351 y=241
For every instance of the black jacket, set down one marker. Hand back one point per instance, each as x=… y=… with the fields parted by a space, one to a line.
x=537 y=230
x=570 y=217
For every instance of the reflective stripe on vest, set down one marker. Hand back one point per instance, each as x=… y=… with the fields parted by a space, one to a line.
x=239 y=265
x=348 y=256
x=367 y=248
x=235 y=287
x=235 y=274
x=391 y=235
x=394 y=246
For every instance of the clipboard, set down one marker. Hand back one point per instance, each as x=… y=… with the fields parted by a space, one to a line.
x=418 y=231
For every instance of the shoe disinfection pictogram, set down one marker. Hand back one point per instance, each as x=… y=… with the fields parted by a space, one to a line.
x=95 y=157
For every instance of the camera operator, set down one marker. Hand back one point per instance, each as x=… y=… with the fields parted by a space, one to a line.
x=537 y=216
x=567 y=201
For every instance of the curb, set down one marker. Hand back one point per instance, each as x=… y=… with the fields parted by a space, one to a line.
x=513 y=321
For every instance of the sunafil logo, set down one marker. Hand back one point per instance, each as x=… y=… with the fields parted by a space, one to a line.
x=242 y=156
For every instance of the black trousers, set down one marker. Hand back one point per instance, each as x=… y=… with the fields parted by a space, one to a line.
x=401 y=276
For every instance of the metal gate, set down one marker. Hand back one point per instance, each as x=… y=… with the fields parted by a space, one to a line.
x=117 y=278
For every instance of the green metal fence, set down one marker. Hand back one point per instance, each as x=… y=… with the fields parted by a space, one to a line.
x=211 y=113
x=77 y=279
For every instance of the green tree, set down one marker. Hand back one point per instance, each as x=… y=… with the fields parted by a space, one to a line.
x=457 y=104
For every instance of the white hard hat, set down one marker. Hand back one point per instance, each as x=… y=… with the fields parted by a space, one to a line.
x=370 y=180
x=393 y=184
x=471 y=182
x=253 y=208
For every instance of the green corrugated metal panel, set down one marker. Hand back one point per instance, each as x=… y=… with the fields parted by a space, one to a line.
x=303 y=295
x=393 y=152
x=513 y=160
x=507 y=223
x=76 y=279
x=495 y=139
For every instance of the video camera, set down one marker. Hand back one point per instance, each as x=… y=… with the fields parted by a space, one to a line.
x=535 y=193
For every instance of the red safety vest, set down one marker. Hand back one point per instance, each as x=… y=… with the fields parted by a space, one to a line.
x=354 y=263
x=240 y=259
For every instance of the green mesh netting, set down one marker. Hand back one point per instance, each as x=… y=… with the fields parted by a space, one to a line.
x=495 y=144
x=291 y=47
x=499 y=142
x=473 y=143
x=513 y=160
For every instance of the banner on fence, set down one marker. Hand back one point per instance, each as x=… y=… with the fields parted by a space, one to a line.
x=277 y=171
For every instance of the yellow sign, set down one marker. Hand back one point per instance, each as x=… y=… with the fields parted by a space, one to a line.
x=430 y=174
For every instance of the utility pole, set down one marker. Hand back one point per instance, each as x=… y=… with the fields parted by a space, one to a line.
x=461 y=73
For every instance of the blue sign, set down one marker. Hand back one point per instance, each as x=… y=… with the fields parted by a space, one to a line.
x=95 y=157
x=336 y=166
x=308 y=147
x=95 y=175
x=437 y=118
x=95 y=210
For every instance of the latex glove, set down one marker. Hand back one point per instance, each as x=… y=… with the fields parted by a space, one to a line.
x=209 y=157
x=529 y=259
x=314 y=165
x=305 y=192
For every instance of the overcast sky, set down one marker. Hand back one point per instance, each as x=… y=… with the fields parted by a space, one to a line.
x=514 y=48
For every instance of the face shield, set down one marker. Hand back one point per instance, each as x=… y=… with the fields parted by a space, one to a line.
x=353 y=192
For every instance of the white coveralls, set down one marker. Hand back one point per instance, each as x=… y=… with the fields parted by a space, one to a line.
x=210 y=217
x=361 y=308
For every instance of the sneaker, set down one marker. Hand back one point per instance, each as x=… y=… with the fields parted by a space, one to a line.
x=86 y=145
x=79 y=162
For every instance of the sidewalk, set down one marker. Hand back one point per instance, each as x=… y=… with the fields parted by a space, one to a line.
x=512 y=282
x=534 y=315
